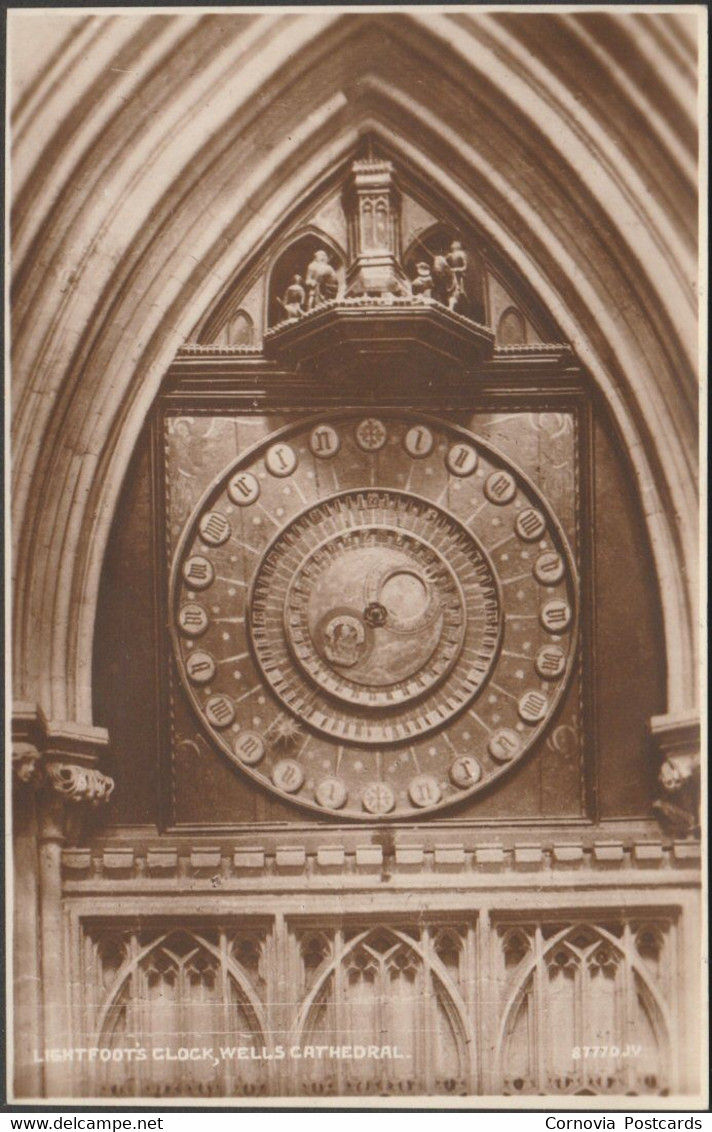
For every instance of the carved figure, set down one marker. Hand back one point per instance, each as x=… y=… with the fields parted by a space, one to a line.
x=422 y=285
x=322 y=282
x=27 y=764
x=679 y=778
x=678 y=772
x=295 y=298
x=457 y=262
x=344 y=637
x=444 y=282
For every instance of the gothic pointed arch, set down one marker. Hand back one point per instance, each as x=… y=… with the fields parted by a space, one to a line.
x=114 y=340
x=293 y=259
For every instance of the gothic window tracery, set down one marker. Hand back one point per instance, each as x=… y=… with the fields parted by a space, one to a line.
x=511 y=329
x=583 y=1020
x=417 y=993
x=381 y=990
x=174 y=989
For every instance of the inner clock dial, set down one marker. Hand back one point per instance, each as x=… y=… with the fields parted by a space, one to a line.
x=387 y=613
x=397 y=598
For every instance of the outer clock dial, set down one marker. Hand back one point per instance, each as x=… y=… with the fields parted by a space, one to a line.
x=374 y=616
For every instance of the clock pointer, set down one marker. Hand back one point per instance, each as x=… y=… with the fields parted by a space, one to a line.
x=375 y=614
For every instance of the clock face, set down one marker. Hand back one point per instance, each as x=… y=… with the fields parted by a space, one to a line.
x=389 y=598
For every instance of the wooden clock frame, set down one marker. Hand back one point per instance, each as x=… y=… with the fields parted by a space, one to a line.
x=541 y=379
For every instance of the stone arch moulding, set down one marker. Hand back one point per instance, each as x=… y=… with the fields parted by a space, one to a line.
x=143 y=213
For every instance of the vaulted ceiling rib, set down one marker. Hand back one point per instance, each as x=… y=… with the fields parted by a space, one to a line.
x=144 y=183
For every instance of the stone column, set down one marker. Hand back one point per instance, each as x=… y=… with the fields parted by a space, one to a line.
x=55 y=780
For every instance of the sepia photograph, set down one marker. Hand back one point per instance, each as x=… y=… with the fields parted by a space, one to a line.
x=355 y=601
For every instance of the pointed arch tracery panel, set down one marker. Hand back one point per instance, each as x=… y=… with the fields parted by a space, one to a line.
x=391 y=1000
x=436 y=241
x=586 y=1009
x=388 y=1007
x=511 y=328
x=175 y=1001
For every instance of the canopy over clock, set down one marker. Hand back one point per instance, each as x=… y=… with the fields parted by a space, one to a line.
x=389 y=597
x=380 y=318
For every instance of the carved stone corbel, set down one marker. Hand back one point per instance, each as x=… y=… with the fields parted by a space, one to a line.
x=677 y=739
x=61 y=756
x=79 y=783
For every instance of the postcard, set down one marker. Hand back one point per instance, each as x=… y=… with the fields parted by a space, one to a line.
x=355 y=696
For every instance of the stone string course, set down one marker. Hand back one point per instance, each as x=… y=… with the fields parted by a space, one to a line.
x=198 y=349
x=206 y=860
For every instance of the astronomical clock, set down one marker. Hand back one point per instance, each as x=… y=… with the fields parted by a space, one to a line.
x=375 y=519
